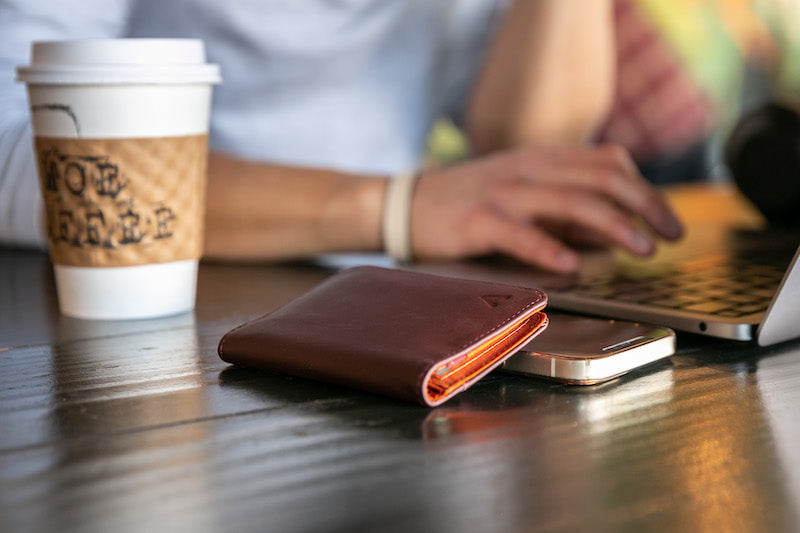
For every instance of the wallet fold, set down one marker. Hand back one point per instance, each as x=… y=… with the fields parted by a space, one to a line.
x=413 y=336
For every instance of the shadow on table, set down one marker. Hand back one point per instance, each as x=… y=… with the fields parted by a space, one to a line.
x=349 y=406
x=500 y=405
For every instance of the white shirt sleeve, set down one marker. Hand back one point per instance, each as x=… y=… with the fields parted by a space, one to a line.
x=22 y=22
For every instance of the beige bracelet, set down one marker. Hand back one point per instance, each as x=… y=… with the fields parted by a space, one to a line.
x=397 y=217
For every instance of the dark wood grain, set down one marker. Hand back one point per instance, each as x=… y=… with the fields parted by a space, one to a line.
x=116 y=426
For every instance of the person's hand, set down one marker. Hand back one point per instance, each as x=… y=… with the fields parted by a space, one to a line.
x=511 y=202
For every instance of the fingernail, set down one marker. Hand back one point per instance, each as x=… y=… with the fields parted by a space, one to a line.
x=567 y=260
x=640 y=243
x=673 y=229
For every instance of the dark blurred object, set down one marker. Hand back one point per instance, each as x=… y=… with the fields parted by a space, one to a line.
x=691 y=165
x=763 y=155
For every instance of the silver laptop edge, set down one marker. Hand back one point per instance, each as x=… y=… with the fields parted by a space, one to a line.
x=780 y=322
x=782 y=319
x=741 y=328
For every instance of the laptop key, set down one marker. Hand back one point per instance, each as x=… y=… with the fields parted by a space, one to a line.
x=707 y=307
x=754 y=308
x=641 y=294
x=730 y=313
x=742 y=298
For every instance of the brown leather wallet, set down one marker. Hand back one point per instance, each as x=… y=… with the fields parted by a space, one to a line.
x=412 y=336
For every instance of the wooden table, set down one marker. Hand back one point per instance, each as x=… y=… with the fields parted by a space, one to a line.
x=140 y=426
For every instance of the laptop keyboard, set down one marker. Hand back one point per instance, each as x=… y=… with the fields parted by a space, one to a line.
x=721 y=286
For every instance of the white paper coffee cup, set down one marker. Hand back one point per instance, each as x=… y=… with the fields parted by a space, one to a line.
x=121 y=136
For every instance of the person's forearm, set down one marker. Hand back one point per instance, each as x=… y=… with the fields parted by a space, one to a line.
x=258 y=211
x=548 y=76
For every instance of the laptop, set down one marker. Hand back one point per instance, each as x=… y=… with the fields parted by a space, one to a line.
x=733 y=284
x=750 y=291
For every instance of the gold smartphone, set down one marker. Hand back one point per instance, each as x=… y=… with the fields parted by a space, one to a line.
x=585 y=351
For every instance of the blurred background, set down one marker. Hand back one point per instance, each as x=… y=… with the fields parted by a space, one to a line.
x=686 y=72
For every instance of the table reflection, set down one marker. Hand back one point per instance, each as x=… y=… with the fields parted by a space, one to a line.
x=602 y=449
x=128 y=410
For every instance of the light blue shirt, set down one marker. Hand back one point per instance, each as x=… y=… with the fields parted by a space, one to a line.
x=350 y=85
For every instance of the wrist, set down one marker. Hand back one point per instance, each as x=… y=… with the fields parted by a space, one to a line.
x=352 y=218
x=396 y=217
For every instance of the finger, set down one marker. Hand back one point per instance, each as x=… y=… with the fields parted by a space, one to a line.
x=606 y=170
x=574 y=206
x=494 y=232
x=574 y=235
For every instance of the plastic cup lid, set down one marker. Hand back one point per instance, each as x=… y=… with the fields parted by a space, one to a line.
x=119 y=61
